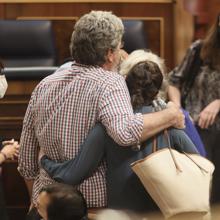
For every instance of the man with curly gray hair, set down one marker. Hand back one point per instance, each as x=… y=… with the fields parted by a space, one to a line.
x=66 y=105
x=101 y=32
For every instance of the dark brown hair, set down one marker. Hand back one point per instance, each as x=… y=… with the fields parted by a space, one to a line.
x=210 y=51
x=66 y=202
x=144 y=81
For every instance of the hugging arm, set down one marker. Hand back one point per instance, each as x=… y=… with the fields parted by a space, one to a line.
x=181 y=142
x=74 y=171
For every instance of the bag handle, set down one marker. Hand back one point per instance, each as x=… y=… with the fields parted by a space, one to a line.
x=154 y=149
x=169 y=147
x=187 y=155
x=171 y=152
x=201 y=168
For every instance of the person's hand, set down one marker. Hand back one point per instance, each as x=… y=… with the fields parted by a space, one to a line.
x=179 y=118
x=10 y=149
x=208 y=115
x=8 y=142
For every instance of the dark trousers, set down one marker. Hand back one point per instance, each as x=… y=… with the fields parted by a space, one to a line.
x=3 y=212
x=33 y=215
x=211 y=140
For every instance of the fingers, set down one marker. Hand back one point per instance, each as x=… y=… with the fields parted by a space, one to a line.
x=11 y=149
x=179 y=118
x=201 y=122
x=180 y=122
x=16 y=145
x=212 y=119
x=208 y=115
x=206 y=119
x=15 y=150
x=16 y=153
x=8 y=142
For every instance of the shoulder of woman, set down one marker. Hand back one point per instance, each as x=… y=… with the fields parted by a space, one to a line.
x=196 y=44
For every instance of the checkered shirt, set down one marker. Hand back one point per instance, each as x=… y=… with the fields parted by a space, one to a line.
x=63 y=109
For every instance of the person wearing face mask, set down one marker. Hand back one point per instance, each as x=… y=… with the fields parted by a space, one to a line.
x=8 y=149
x=195 y=85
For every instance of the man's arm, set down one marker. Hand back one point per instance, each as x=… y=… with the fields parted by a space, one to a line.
x=127 y=128
x=29 y=148
x=158 y=121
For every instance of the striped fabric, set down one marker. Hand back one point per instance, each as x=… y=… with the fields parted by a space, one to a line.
x=62 y=110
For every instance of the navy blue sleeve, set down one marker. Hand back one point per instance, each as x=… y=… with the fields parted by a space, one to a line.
x=180 y=141
x=76 y=170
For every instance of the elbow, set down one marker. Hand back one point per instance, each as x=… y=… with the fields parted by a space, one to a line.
x=27 y=171
x=129 y=131
x=125 y=139
x=28 y=174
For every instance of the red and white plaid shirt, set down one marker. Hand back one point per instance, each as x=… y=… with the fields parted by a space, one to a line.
x=62 y=110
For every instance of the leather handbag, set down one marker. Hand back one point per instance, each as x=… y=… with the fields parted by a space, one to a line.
x=178 y=182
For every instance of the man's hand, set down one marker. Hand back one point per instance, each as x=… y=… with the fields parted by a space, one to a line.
x=178 y=116
x=156 y=122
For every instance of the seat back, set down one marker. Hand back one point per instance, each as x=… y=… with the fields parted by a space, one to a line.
x=134 y=37
x=27 y=43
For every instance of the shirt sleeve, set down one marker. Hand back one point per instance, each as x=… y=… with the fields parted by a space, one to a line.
x=116 y=114
x=179 y=74
x=29 y=148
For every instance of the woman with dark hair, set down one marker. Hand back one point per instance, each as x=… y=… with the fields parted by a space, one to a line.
x=124 y=190
x=195 y=85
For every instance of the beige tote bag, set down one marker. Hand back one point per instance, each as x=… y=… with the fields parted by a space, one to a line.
x=177 y=182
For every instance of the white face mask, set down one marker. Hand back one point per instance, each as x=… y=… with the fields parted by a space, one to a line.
x=3 y=86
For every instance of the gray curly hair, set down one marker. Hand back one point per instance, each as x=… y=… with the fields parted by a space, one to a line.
x=94 y=34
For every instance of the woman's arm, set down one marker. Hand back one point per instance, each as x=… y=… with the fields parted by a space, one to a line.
x=181 y=142
x=174 y=95
x=181 y=77
x=76 y=170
